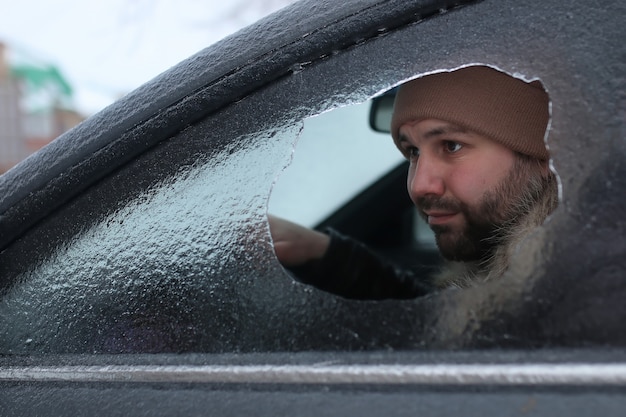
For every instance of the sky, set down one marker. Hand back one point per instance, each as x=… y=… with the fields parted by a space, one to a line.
x=107 y=48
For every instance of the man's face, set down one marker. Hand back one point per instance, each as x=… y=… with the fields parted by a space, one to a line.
x=465 y=185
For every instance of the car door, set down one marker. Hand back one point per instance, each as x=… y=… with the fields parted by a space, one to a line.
x=142 y=233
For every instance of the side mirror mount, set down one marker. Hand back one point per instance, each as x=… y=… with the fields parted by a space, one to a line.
x=381 y=110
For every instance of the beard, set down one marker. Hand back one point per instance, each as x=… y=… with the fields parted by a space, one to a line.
x=488 y=223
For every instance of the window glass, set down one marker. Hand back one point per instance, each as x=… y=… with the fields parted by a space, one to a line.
x=186 y=263
x=157 y=274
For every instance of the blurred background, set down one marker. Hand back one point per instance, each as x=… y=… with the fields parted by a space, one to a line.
x=62 y=61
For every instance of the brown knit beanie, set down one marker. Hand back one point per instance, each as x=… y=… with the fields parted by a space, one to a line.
x=483 y=100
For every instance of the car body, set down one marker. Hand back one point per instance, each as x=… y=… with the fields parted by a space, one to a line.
x=137 y=269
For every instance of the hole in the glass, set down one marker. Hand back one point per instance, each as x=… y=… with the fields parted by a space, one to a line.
x=481 y=181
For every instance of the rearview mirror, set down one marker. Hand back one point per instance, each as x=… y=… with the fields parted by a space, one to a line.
x=381 y=111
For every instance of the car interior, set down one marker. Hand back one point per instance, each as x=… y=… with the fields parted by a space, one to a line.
x=384 y=218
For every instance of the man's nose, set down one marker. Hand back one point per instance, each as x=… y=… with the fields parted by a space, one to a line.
x=426 y=178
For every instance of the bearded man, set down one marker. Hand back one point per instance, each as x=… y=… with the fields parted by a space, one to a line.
x=478 y=175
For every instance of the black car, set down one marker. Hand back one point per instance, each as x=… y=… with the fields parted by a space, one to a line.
x=137 y=271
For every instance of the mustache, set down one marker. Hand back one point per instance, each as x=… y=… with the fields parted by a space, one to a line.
x=431 y=202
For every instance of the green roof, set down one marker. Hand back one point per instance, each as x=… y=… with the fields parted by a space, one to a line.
x=40 y=77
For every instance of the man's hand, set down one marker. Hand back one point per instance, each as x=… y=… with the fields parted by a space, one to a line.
x=294 y=244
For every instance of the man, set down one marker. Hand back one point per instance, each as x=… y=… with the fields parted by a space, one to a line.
x=478 y=174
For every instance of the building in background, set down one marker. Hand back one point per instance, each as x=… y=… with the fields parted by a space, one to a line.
x=35 y=107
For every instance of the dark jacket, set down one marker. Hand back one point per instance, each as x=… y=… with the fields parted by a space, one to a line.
x=351 y=270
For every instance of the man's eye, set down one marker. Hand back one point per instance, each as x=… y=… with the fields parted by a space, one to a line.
x=452 y=147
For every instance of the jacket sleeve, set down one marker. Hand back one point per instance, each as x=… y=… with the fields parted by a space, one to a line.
x=351 y=270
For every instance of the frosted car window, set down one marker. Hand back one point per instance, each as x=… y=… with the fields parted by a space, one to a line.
x=186 y=265
x=104 y=288
x=565 y=286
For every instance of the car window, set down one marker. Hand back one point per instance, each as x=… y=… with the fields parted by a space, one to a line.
x=170 y=250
